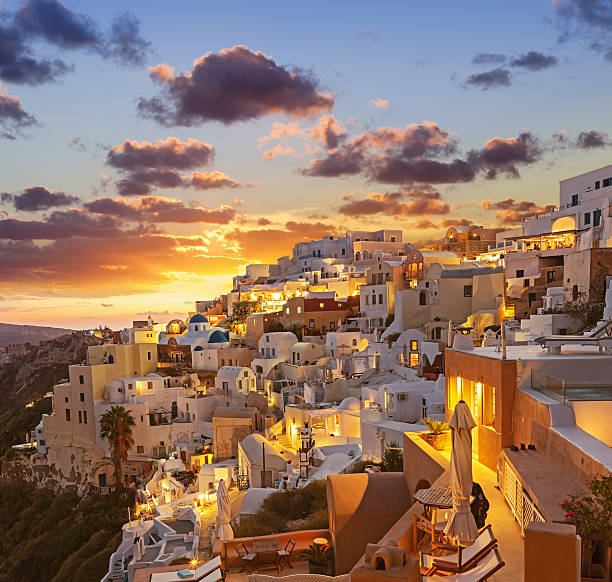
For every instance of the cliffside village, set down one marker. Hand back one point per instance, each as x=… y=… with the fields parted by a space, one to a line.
x=332 y=356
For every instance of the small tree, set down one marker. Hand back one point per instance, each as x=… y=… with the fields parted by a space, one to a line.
x=116 y=426
x=275 y=325
x=586 y=311
x=592 y=516
x=393 y=458
x=242 y=310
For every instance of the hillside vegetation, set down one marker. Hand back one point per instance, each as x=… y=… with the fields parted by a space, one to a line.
x=51 y=537
x=291 y=510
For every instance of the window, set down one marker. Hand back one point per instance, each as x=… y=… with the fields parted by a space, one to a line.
x=343 y=252
x=414 y=345
x=587 y=218
x=550 y=276
x=575 y=199
x=436 y=333
x=526 y=283
x=532 y=298
x=84 y=416
x=149 y=385
x=225 y=386
x=139 y=449
x=426 y=284
x=267 y=338
x=596 y=217
x=67 y=414
x=392 y=239
x=287 y=310
x=520 y=273
x=321 y=305
x=148 y=355
x=223 y=361
x=607 y=182
x=130 y=386
x=299 y=309
x=423 y=298
x=354 y=342
x=367 y=297
x=467 y=290
x=82 y=396
x=273 y=352
x=65 y=398
x=311 y=323
x=80 y=417
x=81 y=379
x=332 y=325
x=141 y=418
x=597 y=184
x=380 y=299
x=373 y=299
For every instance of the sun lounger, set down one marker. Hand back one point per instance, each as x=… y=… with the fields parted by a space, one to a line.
x=208 y=572
x=601 y=337
x=486 y=567
x=462 y=559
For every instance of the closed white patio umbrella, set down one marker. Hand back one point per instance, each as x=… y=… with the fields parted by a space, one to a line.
x=461 y=526
x=224 y=529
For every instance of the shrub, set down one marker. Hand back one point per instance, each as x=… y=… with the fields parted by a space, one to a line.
x=393 y=458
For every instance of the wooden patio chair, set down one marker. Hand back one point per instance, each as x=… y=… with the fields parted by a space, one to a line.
x=247 y=558
x=433 y=528
x=284 y=555
x=461 y=559
x=482 y=571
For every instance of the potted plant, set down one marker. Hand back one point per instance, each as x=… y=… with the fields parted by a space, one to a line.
x=591 y=514
x=318 y=557
x=436 y=436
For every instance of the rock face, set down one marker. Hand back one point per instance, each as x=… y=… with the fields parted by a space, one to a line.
x=29 y=377
x=32 y=334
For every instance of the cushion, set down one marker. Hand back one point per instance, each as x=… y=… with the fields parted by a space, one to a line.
x=185 y=574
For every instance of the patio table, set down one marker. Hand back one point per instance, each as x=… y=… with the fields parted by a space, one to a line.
x=434 y=498
x=266 y=548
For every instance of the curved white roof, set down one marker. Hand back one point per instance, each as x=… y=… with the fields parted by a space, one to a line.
x=232 y=371
x=350 y=403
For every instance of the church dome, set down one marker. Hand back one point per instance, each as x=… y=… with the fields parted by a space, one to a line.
x=198 y=318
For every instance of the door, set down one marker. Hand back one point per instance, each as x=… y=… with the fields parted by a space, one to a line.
x=102 y=479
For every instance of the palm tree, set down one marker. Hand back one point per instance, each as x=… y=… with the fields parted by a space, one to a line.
x=116 y=426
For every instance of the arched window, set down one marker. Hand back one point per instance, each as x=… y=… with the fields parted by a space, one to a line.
x=111 y=359
x=365 y=256
x=423 y=298
x=358 y=256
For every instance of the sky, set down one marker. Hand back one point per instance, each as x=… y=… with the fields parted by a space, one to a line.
x=147 y=156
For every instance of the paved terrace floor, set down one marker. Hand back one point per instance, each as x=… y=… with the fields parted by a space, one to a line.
x=505 y=527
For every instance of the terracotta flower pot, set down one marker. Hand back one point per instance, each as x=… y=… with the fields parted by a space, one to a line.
x=437 y=441
x=317 y=567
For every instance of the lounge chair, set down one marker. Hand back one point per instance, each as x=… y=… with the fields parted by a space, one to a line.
x=462 y=559
x=487 y=566
x=247 y=558
x=434 y=528
x=284 y=555
x=600 y=337
x=208 y=572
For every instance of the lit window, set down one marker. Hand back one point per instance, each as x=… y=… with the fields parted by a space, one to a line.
x=414 y=359
x=287 y=310
x=299 y=309
x=321 y=305
x=414 y=345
